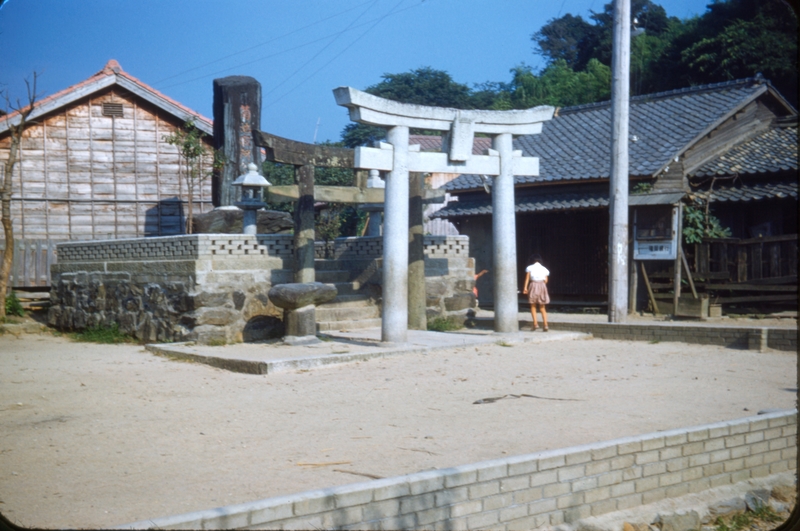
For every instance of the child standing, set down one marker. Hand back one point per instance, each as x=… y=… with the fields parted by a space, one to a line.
x=536 y=276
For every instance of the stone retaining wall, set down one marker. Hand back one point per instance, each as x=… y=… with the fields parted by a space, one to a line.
x=534 y=490
x=212 y=288
x=745 y=338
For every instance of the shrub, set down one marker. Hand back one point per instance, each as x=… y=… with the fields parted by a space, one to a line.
x=13 y=306
x=444 y=324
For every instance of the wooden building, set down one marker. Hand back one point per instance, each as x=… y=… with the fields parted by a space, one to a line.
x=93 y=164
x=733 y=145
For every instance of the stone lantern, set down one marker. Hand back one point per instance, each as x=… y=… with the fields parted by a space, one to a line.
x=251 y=202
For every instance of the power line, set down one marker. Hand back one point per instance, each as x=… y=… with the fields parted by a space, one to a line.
x=260 y=44
x=322 y=50
x=391 y=12
x=259 y=59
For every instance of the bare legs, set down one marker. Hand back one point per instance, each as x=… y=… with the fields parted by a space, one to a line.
x=543 y=310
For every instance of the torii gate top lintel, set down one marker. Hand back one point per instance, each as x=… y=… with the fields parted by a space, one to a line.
x=374 y=110
x=461 y=126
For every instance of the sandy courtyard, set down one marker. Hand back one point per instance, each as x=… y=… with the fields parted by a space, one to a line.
x=96 y=436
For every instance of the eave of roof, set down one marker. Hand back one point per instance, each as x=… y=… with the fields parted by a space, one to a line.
x=749 y=192
x=111 y=74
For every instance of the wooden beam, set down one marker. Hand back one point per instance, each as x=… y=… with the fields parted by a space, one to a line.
x=285 y=151
x=688 y=273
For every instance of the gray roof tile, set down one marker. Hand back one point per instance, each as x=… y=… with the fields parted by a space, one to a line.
x=771 y=151
x=576 y=144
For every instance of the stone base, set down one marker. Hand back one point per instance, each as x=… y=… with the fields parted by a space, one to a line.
x=295 y=341
x=301 y=322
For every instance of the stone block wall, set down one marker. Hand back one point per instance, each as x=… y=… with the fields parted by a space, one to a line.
x=212 y=288
x=744 y=338
x=530 y=491
x=205 y=288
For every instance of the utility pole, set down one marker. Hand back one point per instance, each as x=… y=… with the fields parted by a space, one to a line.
x=618 y=195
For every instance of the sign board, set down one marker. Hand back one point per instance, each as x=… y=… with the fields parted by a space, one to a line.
x=655 y=232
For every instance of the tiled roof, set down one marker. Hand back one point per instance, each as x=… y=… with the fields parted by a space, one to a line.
x=434 y=143
x=576 y=144
x=112 y=73
x=751 y=192
x=482 y=204
x=772 y=151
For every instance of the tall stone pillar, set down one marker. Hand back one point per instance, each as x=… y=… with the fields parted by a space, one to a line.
x=417 y=307
x=304 y=225
x=237 y=113
x=504 y=234
x=394 y=325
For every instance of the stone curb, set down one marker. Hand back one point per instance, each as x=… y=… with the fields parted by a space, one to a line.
x=180 y=351
x=243 y=515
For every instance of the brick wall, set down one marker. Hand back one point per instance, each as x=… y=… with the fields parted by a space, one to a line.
x=528 y=491
x=752 y=338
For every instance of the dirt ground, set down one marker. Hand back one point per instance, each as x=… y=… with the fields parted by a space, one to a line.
x=97 y=436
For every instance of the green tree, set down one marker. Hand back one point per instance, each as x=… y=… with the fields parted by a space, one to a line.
x=739 y=38
x=559 y=85
x=199 y=159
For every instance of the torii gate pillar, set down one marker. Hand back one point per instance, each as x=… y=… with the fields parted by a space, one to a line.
x=502 y=162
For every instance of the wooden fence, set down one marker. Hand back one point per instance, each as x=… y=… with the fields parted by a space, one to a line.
x=32 y=261
x=748 y=270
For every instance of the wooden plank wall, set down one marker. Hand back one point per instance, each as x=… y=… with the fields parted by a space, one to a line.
x=32 y=261
x=83 y=175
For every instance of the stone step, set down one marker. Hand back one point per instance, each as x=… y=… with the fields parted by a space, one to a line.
x=325 y=314
x=332 y=276
x=349 y=301
x=347 y=288
x=326 y=326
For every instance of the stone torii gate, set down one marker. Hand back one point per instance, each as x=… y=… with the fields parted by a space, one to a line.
x=395 y=157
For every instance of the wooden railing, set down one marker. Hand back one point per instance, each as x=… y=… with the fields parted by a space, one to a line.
x=32 y=261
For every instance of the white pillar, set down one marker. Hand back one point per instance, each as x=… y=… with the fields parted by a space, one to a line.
x=394 y=326
x=504 y=236
x=618 y=196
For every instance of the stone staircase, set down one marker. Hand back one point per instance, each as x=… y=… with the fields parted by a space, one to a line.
x=353 y=308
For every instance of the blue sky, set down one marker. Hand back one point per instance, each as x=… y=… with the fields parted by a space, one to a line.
x=299 y=50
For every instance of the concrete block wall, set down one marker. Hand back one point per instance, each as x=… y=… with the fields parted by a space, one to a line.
x=530 y=491
x=745 y=338
x=370 y=247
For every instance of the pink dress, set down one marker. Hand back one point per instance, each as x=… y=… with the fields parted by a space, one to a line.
x=537 y=289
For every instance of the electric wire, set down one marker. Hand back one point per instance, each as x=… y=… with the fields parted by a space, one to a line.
x=392 y=11
x=198 y=67
x=259 y=59
x=335 y=38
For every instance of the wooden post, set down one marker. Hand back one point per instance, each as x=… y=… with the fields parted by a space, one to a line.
x=634 y=288
x=237 y=113
x=417 y=318
x=688 y=272
x=649 y=289
x=618 y=197
x=676 y=295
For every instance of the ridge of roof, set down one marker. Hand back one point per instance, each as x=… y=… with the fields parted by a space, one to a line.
x=111 y=69
x=670 y=93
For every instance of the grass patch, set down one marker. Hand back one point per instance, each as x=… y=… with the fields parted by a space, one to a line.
x=739 y=522
x=13 y=306
x=103 y=334
x=444 y=324
x=216 y=342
